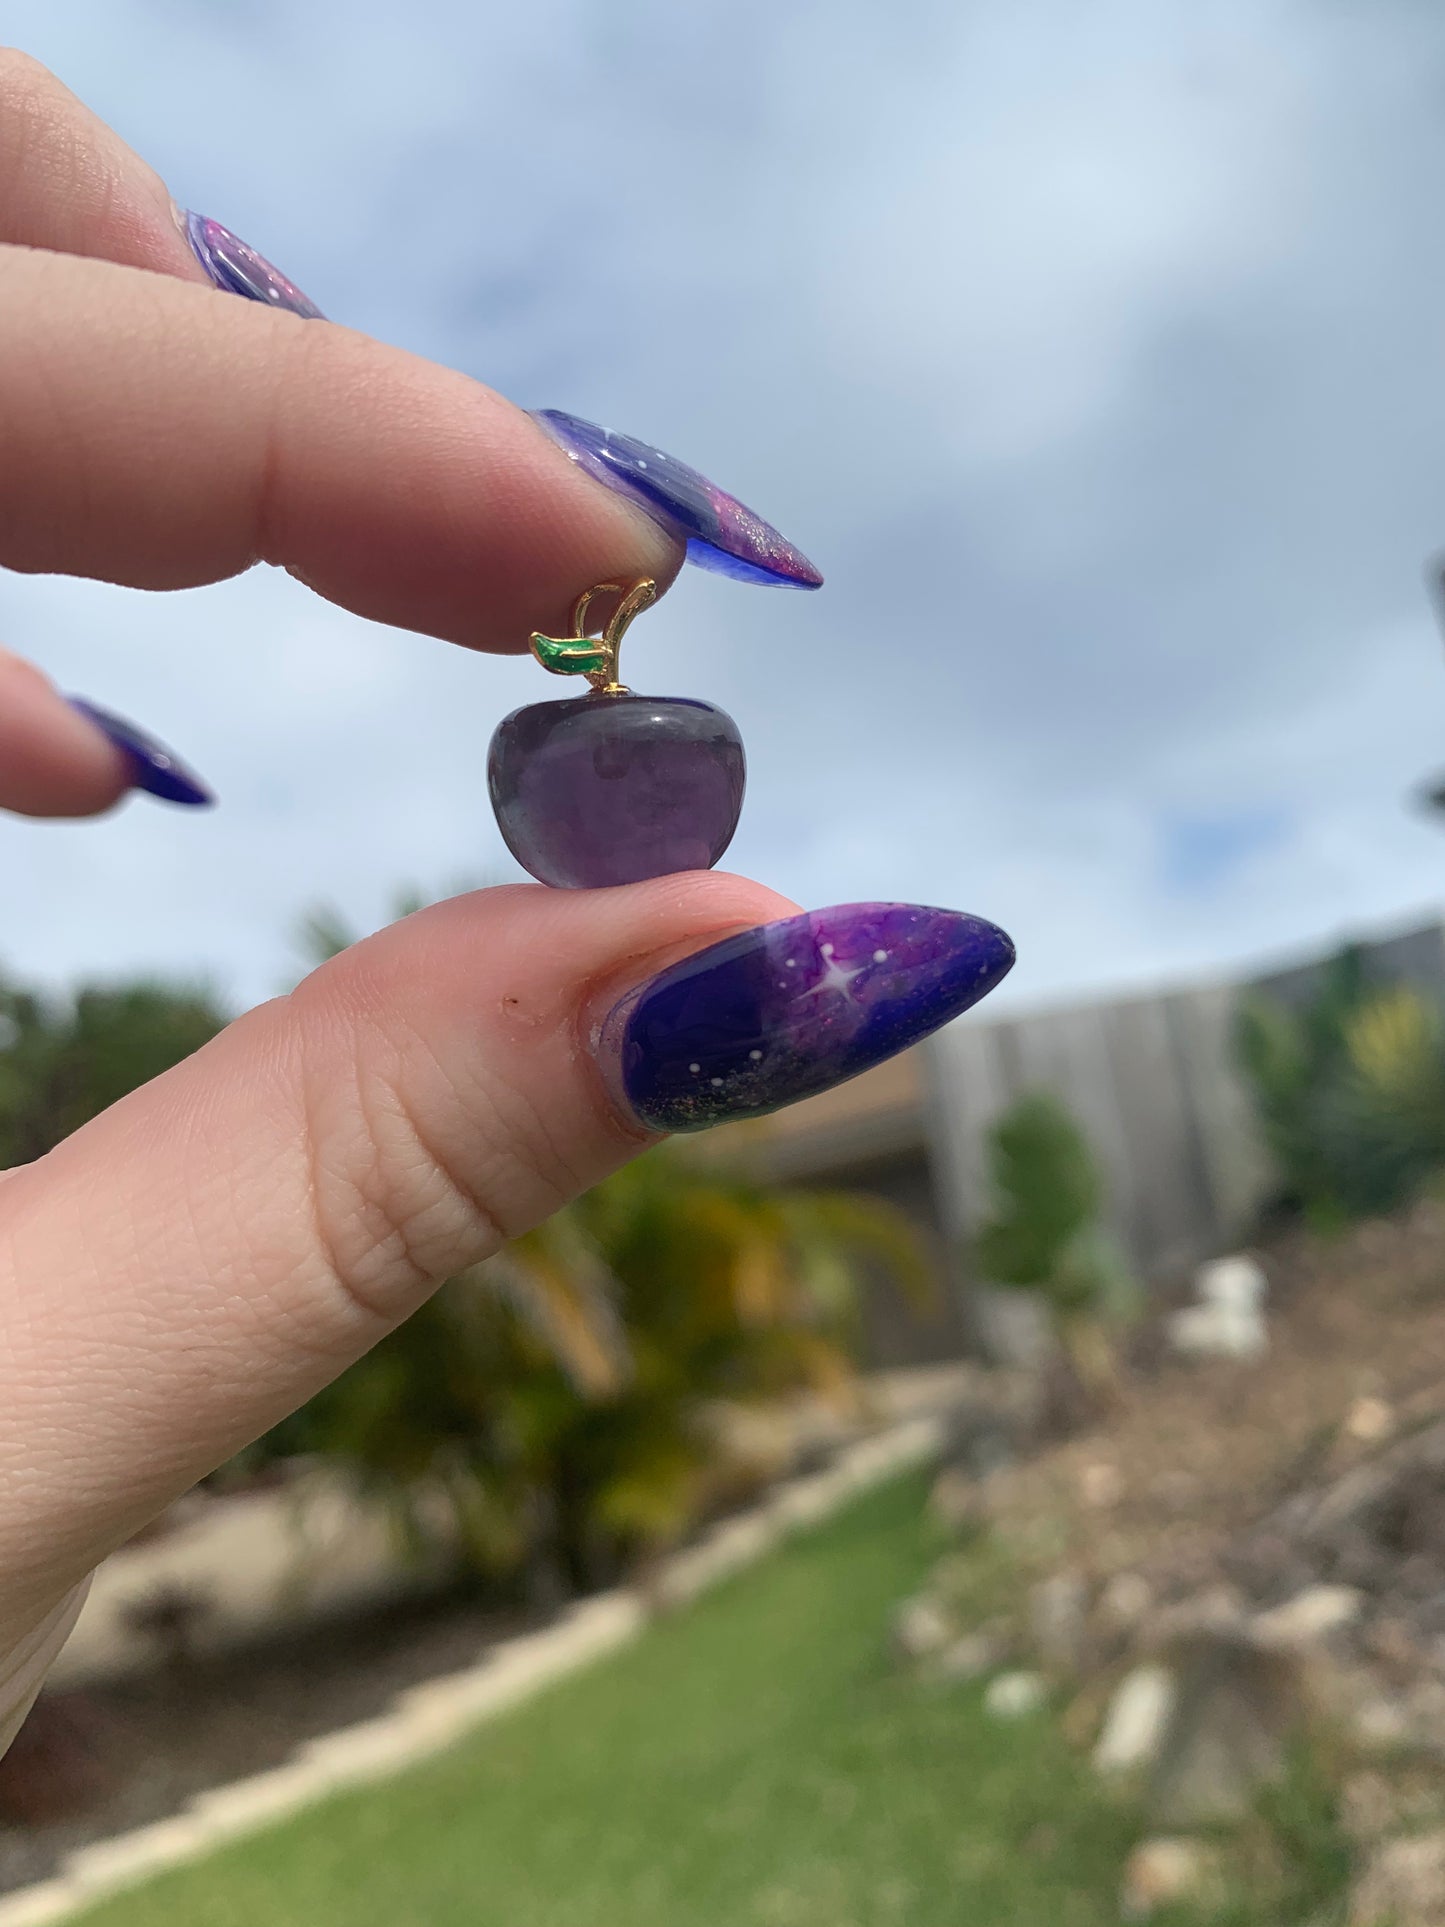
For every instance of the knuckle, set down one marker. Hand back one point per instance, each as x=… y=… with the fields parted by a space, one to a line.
x=31 y=97
x=396 y=1203
x=37 y=118
x=22 y=72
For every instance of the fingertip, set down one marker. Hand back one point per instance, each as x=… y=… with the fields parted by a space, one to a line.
x=70 y=185
x=53 y=762
x=625 y=527
x=150 y=765
x=213 y=432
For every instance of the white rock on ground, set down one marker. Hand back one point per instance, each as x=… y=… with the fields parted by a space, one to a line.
x=1378 y=1721
x=1403 y=1885
x=1137 y=1721
x=1159 y=1873
x=1125 y=1602
x=1370 y=1420
x=1227 y=1732
x=1058 y=1621
x=1310 y=1618
x=1228 y=1320
x=921 y=1627
x=969 y=1658
x=1215 y=1613
x=1013 y=1696
x=43 y=1906
x=1101 y=1484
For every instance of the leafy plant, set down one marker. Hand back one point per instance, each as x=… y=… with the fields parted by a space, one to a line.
x=1046 y=1237
x=1045 y=1233
x=1350 y=1092
x=549 y=1411
x=62 y=1063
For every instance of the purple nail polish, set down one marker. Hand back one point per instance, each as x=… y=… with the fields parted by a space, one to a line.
x=792 y=1008
x=720 y=533
x=238 y=269
x=154 y=768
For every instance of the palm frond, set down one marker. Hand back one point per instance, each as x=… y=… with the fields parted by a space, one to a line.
x=323 y=933
x=556 y=1280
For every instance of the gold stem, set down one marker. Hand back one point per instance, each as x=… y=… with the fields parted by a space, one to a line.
x=640 y=596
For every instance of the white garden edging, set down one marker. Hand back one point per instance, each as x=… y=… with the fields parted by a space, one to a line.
x=428 y=1718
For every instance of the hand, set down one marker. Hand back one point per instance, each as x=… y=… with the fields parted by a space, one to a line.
x=192 y=1265
x=187 y=1269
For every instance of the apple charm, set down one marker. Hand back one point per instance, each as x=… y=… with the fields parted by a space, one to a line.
x=613 y=787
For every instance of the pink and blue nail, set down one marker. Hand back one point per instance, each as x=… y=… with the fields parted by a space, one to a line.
x=154 y=768
x=236 y=267
x=720 y=532
x=792 y=1008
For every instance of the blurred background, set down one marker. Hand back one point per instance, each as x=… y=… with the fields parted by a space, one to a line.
x=1095 y=357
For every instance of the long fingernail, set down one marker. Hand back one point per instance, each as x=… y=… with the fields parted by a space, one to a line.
x=154 y=768
x=720 y=532
x=792 y=1008
x=238 y=269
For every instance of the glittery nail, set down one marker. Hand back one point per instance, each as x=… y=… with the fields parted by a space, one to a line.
x=237 y=268
x=720 y=532
x=792 y=1008
x=153 y=767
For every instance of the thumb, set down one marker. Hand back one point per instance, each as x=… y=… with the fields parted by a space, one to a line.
x=197 y=1261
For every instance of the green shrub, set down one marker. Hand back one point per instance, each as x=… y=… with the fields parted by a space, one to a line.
x=63 y=1062
x=1045 y=1233
x=549 y=1411
x=1350 y=1093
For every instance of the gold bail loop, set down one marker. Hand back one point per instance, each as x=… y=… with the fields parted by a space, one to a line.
x=596 y=657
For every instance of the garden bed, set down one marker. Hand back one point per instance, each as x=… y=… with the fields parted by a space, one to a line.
x=1196 y=1453
x=138 y=1749
x=756 y=1759
x=123 y=1750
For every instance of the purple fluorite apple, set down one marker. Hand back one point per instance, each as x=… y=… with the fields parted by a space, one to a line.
x=609 y=789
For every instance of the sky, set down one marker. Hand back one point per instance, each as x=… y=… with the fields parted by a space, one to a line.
x=1097 y=356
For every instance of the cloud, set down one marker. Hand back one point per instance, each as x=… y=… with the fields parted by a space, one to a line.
x=1095 y=357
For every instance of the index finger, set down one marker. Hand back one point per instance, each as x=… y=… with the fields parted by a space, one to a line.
x=158 y=437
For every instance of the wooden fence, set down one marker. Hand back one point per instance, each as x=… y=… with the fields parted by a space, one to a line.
x=1152 y=1081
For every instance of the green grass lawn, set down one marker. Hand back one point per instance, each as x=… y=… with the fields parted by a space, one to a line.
x=756 y=1761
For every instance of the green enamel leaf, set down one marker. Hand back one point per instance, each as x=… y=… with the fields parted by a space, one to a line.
x=571 y=657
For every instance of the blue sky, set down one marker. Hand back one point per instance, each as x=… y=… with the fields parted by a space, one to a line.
x=1096 y=355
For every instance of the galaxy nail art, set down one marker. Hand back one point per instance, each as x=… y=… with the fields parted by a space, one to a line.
x=154 y=768
x=721 y=534
x=792 y=1008
x=238 y=269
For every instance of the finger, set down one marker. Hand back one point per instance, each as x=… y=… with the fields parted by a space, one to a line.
x=68 y=183
x=52 y=761
x=64 y=756
x=157 y=436
x=194 y=1263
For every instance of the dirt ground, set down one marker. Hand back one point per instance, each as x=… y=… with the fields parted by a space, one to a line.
x=1194 y=1452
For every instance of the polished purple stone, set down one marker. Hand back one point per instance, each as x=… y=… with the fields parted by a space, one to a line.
x=613 y=789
